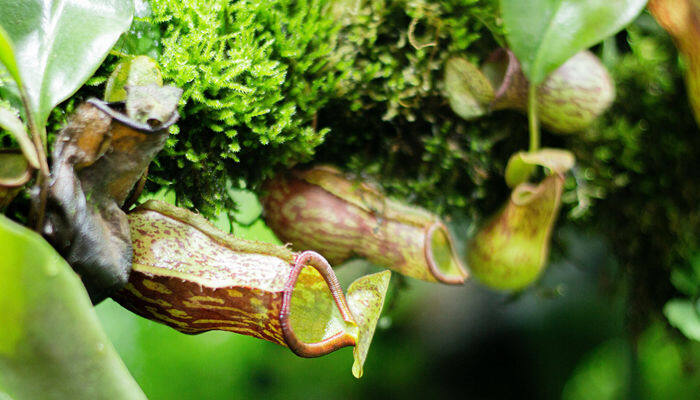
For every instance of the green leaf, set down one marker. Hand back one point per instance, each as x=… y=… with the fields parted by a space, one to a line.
x=543 y=34
x=7 y=55
x=11 y=122
x=685 y=316
x=51 y=343
x=365 y=300
x=59 y=44
x=522 y=164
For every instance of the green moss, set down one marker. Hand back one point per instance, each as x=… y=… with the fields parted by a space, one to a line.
x=400 y=48
x=254 y=75
x=396 y=125
x=259 y=77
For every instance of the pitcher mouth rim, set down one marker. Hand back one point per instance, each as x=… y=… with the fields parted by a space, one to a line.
x=332 y=343
x=450 y=279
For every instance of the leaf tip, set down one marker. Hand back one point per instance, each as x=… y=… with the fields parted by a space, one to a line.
x=365 y=299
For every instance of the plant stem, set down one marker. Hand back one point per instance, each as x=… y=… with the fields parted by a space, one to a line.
x=39 y=139
x=532 y=117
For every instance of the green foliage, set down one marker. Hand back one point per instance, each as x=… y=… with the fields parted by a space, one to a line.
x=259 y=81
x=57 y=48
x=685 y=315
x=639 y=159
x=401 y=46
x=254 y=74
x=14 y=126
x=543 y=34
x=51 y=343
x=632 y=175
x=7 y=55
x=397 y=126
x=663 y=370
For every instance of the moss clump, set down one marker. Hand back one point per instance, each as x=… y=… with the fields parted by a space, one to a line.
x=254 y=74
x=259 y=77
x=396 y=124
x=400 y=48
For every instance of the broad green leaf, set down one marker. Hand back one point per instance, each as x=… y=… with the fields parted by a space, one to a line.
x=51 y=343
x=543 y=34
x=11 y=122
x=59 y=44
x=685 y=316
x=522 y=164
x=7 y=55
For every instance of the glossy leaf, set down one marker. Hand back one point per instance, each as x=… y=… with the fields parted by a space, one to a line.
x=521 y=165
x=143 y=37
x=59 y=44
x=543 y=34
x=681 y=18
x=11 y=122
x=51 y=343
x=7 y=55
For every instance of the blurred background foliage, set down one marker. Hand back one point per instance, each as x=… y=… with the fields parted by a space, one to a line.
x=358 y=83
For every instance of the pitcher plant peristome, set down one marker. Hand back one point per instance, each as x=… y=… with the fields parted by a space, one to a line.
x=341 y=218
x=189 y=275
